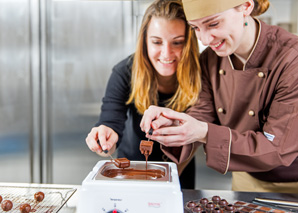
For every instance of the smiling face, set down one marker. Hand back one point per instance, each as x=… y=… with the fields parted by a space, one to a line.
x=223 y=32
x=165 y=42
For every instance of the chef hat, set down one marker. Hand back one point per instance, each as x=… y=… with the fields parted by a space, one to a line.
x=196 y=9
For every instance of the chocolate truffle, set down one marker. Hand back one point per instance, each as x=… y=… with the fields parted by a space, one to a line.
x=146 y=147
x=122 y=162
x=216 y=199
x=191 y=204
x=223 y=203
x=216 y=210
x=39 y=196
x=25 y=208
x=230 y=208
x=210 y=206
x=6 y=205
x=197 y=209
x=204 y=201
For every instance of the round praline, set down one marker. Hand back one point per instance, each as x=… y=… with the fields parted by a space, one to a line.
x=198 y=209
x=25 y=208
x=210 y=206
x=204 y=201
x=223 y=203
x=229 y=208
x=6 y=205
x=39 y=196
x=216 y=199
x=191 y=204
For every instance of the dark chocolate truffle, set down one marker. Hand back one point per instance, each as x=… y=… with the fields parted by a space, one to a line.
x=25 y=208
x=39 y=196
x=210 y=206
x=191 y=204
x=197 y=209
x=216 y=210
x=216 y=199
x=223 y=203
x=204 y=201
x=6 y=205
x=122 y=162
x=230 y=208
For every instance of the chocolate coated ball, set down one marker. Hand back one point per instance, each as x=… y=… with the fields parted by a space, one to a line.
x=39 y=196
x=216 y=199
x=204 y=201
x=216 y=210
x=191 y=204
x=223 y=203
x=197 y=209
x=6 y=205
x=210 y=206
x=230 y=208
x=25 y=208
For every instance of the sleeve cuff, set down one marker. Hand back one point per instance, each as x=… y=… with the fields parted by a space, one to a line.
x=218 y=147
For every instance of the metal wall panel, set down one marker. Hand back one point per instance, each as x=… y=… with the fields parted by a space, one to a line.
x=86 y=39
x=15 y=91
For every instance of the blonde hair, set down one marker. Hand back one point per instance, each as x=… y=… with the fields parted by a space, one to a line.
x=144 y=86
x=261 y=6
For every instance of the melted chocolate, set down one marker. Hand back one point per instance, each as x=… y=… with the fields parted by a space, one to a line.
x=146 y=148
x=134 y=174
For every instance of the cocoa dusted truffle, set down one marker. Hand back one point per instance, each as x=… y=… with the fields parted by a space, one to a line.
x=25 y=208
x=6 y=205
x=39 y=196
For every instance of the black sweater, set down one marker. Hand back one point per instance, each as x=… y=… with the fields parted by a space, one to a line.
x=124 y=119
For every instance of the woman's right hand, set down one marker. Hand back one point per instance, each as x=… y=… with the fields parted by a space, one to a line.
x=107 y=138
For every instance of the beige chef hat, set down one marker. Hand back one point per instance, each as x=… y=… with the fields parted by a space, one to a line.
x=195 y=9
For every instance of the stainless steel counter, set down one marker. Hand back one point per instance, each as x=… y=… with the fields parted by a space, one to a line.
x=188 y=195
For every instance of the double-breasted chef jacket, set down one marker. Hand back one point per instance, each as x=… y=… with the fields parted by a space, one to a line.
x=252 y=114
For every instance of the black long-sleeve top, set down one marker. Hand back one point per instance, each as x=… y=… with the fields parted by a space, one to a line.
x=124 y=119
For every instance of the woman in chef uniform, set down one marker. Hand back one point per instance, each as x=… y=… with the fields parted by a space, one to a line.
x=164 y=71
x=247 y=114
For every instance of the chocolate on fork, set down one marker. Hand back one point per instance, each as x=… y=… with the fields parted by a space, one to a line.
x=118 y=162
x=146 y=147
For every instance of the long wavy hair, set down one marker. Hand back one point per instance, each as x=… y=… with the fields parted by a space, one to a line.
x=144 y=86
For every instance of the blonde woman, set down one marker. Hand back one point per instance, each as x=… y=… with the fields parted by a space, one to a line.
x=163 y=71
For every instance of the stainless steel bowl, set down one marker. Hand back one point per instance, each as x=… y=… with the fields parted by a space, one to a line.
x=135 y=166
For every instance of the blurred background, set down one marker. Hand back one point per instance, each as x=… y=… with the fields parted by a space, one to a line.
x=55 y=59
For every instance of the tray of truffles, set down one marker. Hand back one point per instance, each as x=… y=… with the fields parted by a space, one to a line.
x=216 y=204
x=33 y=199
